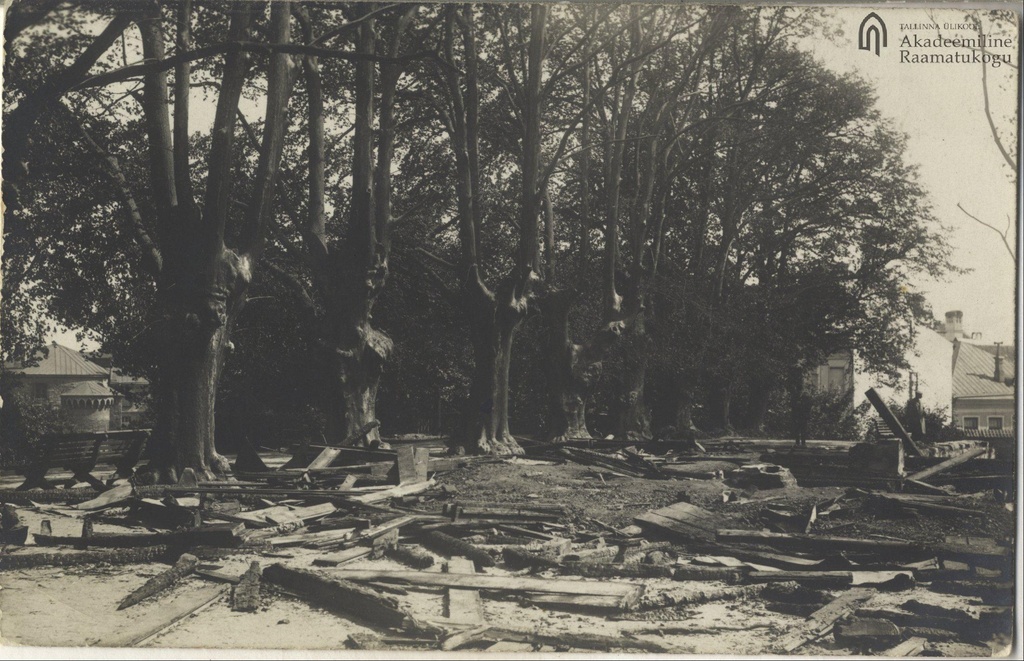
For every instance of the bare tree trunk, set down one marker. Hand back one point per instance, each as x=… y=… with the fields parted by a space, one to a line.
x=493 y=321
x=634 y=417
x=198 y=306
x=569 y=376
x=684 y=405
x=720 y=404
x=757 y=403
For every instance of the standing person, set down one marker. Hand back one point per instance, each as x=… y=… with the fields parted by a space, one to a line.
x=915 y=415
x=801 y=417
x=799 y=405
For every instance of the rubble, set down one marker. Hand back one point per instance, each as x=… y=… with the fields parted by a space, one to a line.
x=337 y=529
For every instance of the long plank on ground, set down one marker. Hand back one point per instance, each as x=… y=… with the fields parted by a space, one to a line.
x=684 y=520
x=621 y=595
x=463 y=606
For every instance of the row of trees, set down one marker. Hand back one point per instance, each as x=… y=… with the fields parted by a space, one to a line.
x=512 y=207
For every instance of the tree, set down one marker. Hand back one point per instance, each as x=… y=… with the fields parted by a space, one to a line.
x=349 y=271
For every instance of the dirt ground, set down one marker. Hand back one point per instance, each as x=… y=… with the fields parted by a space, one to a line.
x=78 y=606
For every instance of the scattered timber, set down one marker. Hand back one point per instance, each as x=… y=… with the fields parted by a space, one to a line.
x=623 y=596
x=245 y=597
x=820 y=622
x=114 y=556
x=185 y=565
x=819 y=579
x=463 y=606
x=202 y=599
x=673 y=598
x=410 y=555
x=213 y=534
x=922 y=476
x=342 y=596
x=519 y=559
x=453 y=546
x=685 y=521
x=610 y=570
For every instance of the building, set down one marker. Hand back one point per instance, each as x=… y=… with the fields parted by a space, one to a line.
x=96 y=397
x=983 y=388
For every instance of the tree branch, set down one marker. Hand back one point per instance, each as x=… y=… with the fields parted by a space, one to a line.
x=1004 y=235
x=280 y=80
x=152 y=260
x=149 y=66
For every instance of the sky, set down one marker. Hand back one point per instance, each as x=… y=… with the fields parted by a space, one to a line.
x=941 y=108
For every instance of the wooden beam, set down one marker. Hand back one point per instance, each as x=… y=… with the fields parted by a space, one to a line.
x=185 y=565
x=341 y=596
x=463 y=606
x=624 y=595
x=963 y=458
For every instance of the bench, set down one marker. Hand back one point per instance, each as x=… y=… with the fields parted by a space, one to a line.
x=80 y=453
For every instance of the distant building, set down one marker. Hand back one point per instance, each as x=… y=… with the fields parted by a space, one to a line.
x=96 y=397
x=983 y=388
x=835 y=374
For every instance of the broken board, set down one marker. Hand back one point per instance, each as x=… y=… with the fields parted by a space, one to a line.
x=685 y=521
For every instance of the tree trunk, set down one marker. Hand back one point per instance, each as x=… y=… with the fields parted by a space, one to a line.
x=634 y=418
x=570 y=371
x=492 y=327
x=720 y=405
x=757 y=404
x=198 y=308
x=684 y=406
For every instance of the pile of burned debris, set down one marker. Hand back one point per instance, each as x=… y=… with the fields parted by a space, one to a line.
x=357 y=531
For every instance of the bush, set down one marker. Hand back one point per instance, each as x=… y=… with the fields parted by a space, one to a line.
x=832 y=417
x=937 y=427
x=23 y=421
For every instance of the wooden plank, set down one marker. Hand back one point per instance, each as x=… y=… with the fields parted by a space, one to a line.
x=453 y=546
x=892 y=422
x=202 y=599
x=115 y=556
x=185 y=565
x=820 y=621
x=412 y=464
x=685 y=520
x=462 y=606
x=341 y=596
x=109 y=498
x=949 y=463
x=324 y=459
x=348 y=555
x=245 y=596
x=626 y=593
x=394 y=492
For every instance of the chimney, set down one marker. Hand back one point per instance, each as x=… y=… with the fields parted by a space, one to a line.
x=954 y=324
x=999 y=365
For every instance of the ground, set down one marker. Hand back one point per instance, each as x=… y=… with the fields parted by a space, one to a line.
x=77 y=606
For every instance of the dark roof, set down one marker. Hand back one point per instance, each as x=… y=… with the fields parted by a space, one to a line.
x=1005 y=350
x=89 y=389
x=974 y=372
x=987 y=433
x=60 y=361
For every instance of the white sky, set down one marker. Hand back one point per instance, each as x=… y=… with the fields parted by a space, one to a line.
x=941 y=108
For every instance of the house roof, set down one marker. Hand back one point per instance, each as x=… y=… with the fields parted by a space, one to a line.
x=61 y=361
x=974 y=372
x=89 y=389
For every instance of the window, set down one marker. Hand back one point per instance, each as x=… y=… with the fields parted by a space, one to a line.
x=995 y=422
x=970 y=422
x=40 y=391
x=837 y=378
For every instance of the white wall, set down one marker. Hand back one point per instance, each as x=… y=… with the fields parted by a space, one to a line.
x=932 y=361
